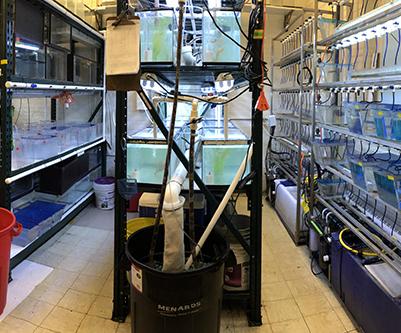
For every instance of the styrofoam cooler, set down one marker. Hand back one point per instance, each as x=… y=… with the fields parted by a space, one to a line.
x=104 y=191
x=286 y=205
x=148 y=204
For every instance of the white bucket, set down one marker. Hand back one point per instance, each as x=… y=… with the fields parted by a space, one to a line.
x=104 y=191
x=237 y=277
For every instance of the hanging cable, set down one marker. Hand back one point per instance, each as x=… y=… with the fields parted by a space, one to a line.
x=357 y=54
x=398 y=47
x=367 y=51
x=385 y=51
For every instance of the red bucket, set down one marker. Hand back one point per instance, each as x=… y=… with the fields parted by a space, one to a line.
x=7 y=232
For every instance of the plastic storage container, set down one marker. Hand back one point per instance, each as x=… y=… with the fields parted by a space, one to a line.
x=331 y=152
x=331 y=188
x=58 y=178
x=362 y=169
x=332 y=115
x=388 y=181
x=81 y=133
x=360 y=118
x=330 y=72
x=42 y=146
x=396 y=115
x=148 y=204
x=326 y=26
x=157 y=36
x=384 y=124
x=30 y=230
x=216 y=47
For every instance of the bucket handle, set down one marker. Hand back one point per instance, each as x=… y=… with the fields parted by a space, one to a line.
x=15 y=233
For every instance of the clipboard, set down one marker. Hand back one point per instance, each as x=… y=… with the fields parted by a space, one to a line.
x=123 y=53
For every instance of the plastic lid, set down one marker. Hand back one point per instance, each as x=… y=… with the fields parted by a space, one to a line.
x=104 y=180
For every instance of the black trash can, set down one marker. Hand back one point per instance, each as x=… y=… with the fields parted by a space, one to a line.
x=183 y=302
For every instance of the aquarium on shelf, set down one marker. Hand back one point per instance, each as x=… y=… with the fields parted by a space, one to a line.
x=216 y=47
x=157 y=35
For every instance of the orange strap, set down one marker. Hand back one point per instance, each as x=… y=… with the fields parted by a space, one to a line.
x=65 y=98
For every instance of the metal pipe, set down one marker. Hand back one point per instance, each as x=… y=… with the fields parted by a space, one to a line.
x=336 y=210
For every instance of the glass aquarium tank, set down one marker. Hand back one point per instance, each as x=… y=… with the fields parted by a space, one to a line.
x=145 y=162
x=56 y=64
x=29 y=58
x=157 y=36
x=216 y=47
x=220 y=163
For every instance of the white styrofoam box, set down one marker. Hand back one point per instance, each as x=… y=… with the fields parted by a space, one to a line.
x=286 y=206
x=148 y=204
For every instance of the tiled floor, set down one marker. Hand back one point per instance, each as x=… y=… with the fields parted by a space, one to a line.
x=77 y=295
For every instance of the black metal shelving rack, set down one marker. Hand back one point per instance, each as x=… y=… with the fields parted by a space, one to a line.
x=7 y=11
x=253 y=295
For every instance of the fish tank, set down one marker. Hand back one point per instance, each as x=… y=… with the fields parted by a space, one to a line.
x=216 y=47
x=384 y=124
x=157 y=36
x=388 y=181
x=331 y=151
x=330 y=114
x=361 y=168
x=360 y=118
x=145 y=162
x=220 y=163
x=56 y=64
x=396 y=115
x=29 y=58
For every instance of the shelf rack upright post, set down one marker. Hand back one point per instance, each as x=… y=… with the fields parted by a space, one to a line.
x=253 y=295
x=11 y=87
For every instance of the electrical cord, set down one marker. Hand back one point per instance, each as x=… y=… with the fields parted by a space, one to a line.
x=310 y=77
x=350 y=11
x=398 y=47
x=238 y=23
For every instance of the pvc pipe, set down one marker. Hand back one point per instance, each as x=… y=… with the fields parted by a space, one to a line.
x=188 y=99
x=225 y=111
x=173 y=189
x=22 y=85
x=222 y=205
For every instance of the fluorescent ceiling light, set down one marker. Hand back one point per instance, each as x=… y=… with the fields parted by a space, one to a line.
x=377 y=31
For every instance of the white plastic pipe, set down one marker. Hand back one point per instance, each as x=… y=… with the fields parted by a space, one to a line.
x=225 y=111
x=222 y=205
x=22 y=85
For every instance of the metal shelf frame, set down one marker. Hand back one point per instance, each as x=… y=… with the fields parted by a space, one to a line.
x=253 y=295
x=288 y=58
x=340 y=207
x=377 y=16
x=7 y=175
